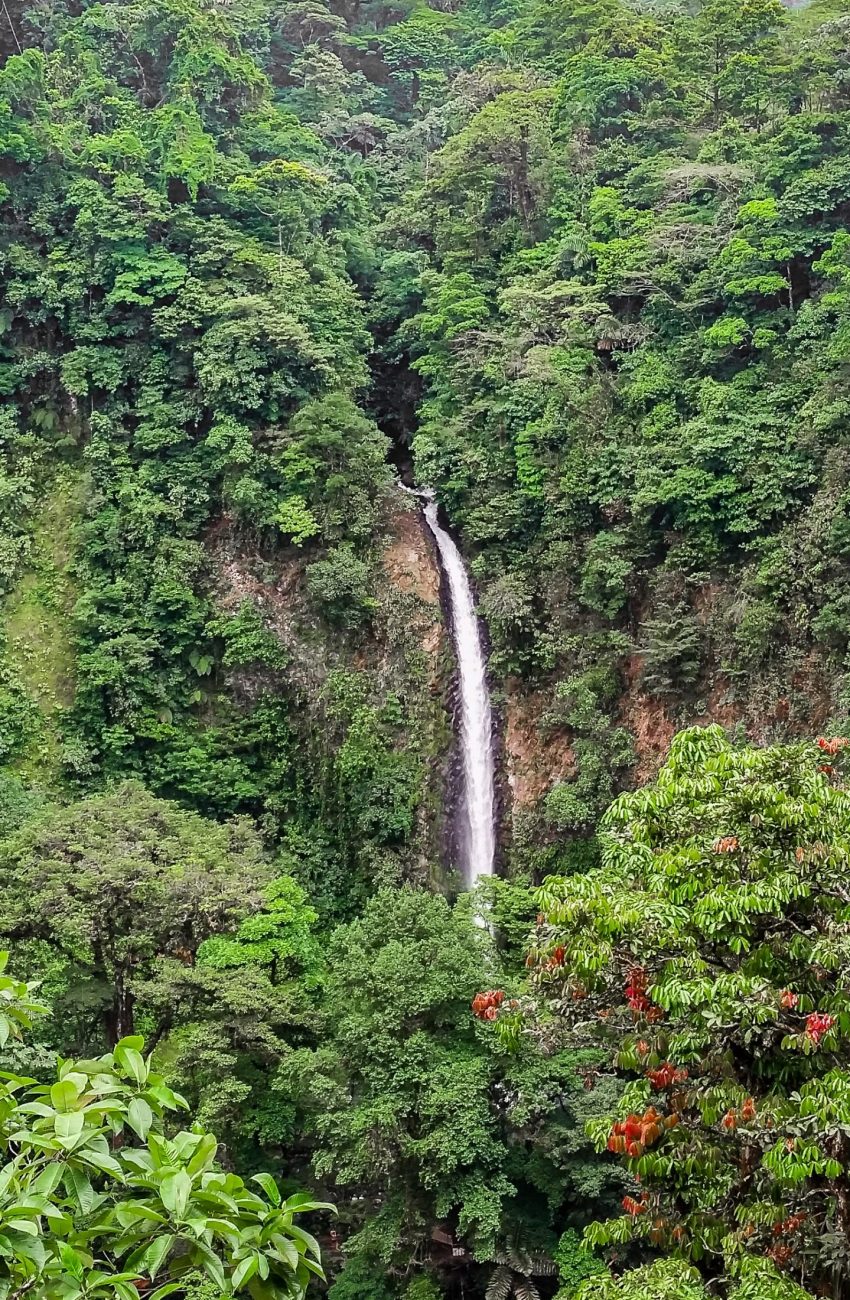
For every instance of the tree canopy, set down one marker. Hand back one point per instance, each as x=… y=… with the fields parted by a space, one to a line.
x=97 y=1199
x=708 y=947
x=582 y=268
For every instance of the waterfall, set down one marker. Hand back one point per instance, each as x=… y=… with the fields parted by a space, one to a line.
x=478 y=803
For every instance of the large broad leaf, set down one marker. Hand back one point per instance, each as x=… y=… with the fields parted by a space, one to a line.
x=140 y=1117
x=288 y=1252
x=131 y=1062
x=299 y=1234
x=132 y=1212
x=72 y=1262
x=312 y=1266
x=78 y=1186
x=108 y=1164
x=204 y=1154
x=69 y=1127
x=156 y=1254
x=269 y=1186
x=211 y=1264
x=65 y=1094
x=303 y=1203
x=175 y=1190
x=134 y=1042
x=27 y=1226
x=49 y=1179
x=244 y=1271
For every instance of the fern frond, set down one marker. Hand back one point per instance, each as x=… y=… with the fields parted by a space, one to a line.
x=541 y=1266
x=499 y=1286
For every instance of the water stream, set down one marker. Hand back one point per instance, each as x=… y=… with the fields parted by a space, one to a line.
x=478 y=795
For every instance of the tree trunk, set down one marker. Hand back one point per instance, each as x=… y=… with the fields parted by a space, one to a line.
x=121 y=1021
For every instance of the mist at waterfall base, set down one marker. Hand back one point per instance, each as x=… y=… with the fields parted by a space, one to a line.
x=478 y=804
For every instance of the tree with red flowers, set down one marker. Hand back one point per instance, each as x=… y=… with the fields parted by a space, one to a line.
x=711 y=951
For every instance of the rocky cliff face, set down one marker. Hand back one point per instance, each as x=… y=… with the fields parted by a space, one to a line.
x=398 y=662
x=404 y=655
x=549 y=740
x=575 y=742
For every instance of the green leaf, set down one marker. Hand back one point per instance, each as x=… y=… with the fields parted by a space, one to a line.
x=131 y=1062
x=156 y=1254
x=211 y=1264
x=204 y=1155
x=175 y=1190
x=140 y=1117
x=27 y=1226
x=244 y=1271
x=133 y=1042
x=64 y=1094
x=49 y=1178
x=132 y=1212
x=69 y=1126
x=101 y=1160
x=269 y=1186
x=72 y=1262
x=77 y=1185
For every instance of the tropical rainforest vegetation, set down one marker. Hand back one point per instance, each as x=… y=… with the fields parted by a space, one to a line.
x=583 y=267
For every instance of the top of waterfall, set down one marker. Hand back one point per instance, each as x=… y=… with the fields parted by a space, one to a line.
x=424 y=494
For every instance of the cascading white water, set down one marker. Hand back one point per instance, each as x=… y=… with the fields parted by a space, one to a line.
x=478 y=839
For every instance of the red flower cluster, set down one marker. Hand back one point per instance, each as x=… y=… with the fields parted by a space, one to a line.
x=780 y=1255
x=636 y=990
x=633 y=1207
x=666 y=1075
x=732 y=1117
x=726 y=844
x=833 y=745
x=789 y=1225
x=817 y=1025
x=631 y=1136
x=788 y=1000
x=485 y=1006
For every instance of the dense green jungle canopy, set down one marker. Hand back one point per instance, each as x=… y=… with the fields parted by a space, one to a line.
x=583 y=266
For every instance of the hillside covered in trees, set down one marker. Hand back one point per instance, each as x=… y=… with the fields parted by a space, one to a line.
x=583 y=268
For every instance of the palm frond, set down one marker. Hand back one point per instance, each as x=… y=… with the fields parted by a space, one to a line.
x=541 y=1266
x=499 y=1286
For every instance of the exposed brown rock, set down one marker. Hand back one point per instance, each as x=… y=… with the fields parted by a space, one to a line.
x=275 y=584
x=535 y=761
x=645 y=717
x=408 y=558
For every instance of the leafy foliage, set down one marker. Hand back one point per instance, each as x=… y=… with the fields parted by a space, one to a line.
x=96 y=1200
x=119 y=883
x=416 y=1105
x=708 y=948
x=584 y=268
